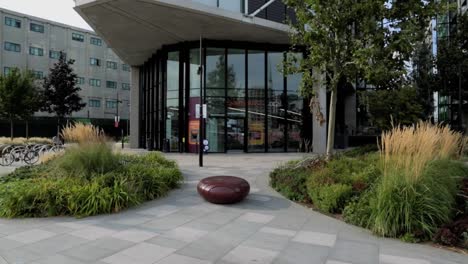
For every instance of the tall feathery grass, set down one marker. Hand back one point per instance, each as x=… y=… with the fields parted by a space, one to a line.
x=83 y=133
x=416 y=193
x=410 y=149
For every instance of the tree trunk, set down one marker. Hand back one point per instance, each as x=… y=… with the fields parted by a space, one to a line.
x=331 y=123
x=11 y=128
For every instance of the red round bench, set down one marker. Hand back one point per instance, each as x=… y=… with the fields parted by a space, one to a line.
x=223 y=189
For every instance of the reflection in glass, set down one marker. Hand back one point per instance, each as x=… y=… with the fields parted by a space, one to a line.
x=215 y=98
x=256 y=104
x=236 y=83
x=276 y=98
x=295 y=118
x=194 y=76
x=172 y=101
x=236 y=99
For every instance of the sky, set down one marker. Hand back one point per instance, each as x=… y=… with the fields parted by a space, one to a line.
x=56 y=10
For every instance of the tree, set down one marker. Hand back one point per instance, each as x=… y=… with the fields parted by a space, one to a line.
x=394 y=107
x=348 y=39
x=19 y=96
x=61 y=91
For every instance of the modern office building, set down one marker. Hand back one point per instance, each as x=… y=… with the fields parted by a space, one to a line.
x=33 y=43
x=451 y=105
x=241 y=44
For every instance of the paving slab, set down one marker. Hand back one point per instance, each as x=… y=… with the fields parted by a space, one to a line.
x=183 y=228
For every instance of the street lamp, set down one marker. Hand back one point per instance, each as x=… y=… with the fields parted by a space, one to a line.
x=117 y=119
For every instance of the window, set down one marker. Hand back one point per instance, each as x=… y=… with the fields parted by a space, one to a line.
x=95 y=82
x=38 y=74
x=125 y=86
x=111 y=104
x=78 y=37
x=56 y=54
x=126 y=67
x=6 y=70
x=9 y=46
x=36 y=28
x=94 y=62
x=112 y=65
x=12 y=22
x=80 y=80
x=96 y=41
x=36 y=51
x=94 y=103
x=111 y=84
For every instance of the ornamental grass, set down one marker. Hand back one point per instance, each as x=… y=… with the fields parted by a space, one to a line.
x=410 y=149
x=418 y=186
x=83 y=133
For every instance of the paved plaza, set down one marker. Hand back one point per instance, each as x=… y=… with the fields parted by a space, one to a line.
x=183 y=229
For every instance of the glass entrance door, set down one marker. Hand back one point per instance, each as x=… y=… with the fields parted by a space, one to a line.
x=235 y=134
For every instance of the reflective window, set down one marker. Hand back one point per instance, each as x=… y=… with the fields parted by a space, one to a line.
x=276 y=98
x=215 y=97
x=78 y=37
x=9 y=46
x=38 y=74
x=95 y=82
x=94 y=103
x=80 y=80
x=95 y=41
x=172 y=101
x=55 y=54
x=295 y=118
x=125 y=86
x=111 y=65
x=94 y=62
x=125 y=67
x=111 y=84
x=256 y=103
x=36 y=28
x=36 y=51
x=6 y=70
x=235 y=103
x=12 y=22
x=111 y=103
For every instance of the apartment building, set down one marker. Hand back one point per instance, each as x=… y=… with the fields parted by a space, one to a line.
x=34 y=43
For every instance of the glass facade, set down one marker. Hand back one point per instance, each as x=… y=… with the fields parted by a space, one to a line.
x=252 y=106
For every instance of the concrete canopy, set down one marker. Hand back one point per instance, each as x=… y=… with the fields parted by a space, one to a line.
x=135 y=29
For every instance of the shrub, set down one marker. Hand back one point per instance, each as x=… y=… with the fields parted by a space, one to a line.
x=357 y=174
x=358 y=210
x=290 y=181
x=95 y=187
x=330 y=198
x=82 y=133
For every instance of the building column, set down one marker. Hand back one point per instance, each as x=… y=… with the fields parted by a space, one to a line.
x=319 y=117
x=135 y=107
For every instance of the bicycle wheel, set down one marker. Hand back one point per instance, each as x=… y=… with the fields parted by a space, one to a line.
x=7 y=159
x=31 y=157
